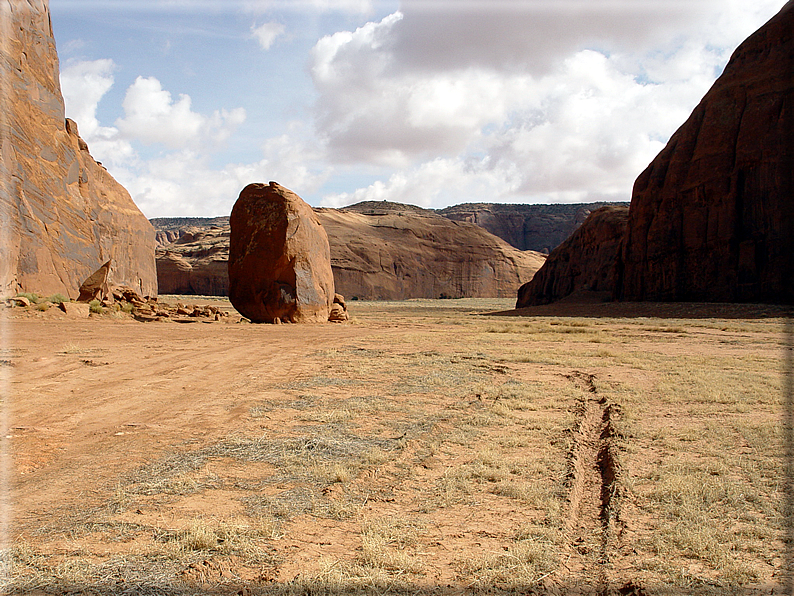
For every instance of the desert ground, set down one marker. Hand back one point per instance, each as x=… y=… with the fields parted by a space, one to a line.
x=423 y=447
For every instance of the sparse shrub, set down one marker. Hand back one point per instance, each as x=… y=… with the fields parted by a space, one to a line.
x=43 y=306
x=58 y=299
x=34 y=298
x=95 y=306
x=127 y=307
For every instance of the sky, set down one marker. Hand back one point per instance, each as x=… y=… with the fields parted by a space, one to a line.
x=426 y=102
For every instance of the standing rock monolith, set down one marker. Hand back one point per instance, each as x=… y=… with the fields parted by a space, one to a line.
x=279 y=258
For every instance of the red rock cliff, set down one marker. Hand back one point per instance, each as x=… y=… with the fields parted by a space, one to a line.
x=711 y=217
x=584 y=262
x=63 y=215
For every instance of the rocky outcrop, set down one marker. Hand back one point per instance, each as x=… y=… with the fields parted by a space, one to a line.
x=378 y=252
x=527 y=227
x=279 y=259
x=711 y=217
x=63 y=215
x=585 y=262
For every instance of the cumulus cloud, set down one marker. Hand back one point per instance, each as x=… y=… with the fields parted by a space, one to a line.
x=440 y=181
x=522 y=101
x=151 y=115
x=267 y=33
x=184 y=183
x=83 y=84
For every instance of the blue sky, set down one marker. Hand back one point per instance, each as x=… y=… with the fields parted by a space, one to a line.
x=429 y=102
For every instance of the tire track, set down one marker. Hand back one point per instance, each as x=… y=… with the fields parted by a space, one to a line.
x=592 y=523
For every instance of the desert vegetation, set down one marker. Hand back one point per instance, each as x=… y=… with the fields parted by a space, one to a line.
x=421 y=448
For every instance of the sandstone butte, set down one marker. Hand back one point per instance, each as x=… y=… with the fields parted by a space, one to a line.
x=710 y=219
x=379 y=251
x=279 y=259
x=711 y=216
x=63 y=215
x=585 y=262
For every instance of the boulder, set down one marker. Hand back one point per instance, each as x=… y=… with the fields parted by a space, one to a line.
x=279 y=258
x=585 y=262
x=96 y=286
x=75 y=310
x=711 y=218
x=63 y=214
x=338 y=312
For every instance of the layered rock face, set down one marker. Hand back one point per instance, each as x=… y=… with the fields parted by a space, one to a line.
x=527 y=227
x=196 y=262
x=378 y=252
x=711 y=217
x=62 y=214
x=585 y=262
x=279 y=259
x=393 y=254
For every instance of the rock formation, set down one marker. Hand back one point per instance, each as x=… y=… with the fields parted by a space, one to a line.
x=96 y=287
x=196 y=262
x=279 y=259
x=378 y=251
x=338 y=312
x=585 y=262
x=711 y=217
x=393 y=254
x=62 y=214
x=527 y=227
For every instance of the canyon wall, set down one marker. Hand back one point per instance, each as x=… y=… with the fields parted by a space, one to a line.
x=381 y=252
x=585 y=262
x=711 y=217
x=62 y=215
x=527 y=227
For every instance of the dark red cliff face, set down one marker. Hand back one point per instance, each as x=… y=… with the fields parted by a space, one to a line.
x=711 y=217
x=584 y=262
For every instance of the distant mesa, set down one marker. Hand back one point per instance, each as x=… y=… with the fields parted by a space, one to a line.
x=527 y=227
x=379 y=251
x=66 y=215
x=279 y=259
x=711 y=218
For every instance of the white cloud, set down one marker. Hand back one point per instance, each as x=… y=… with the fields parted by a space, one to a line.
x=530 y=101
x=183 y=183
x=267 y=33
x=151 y=115
x=83 y=84
x=497 y=100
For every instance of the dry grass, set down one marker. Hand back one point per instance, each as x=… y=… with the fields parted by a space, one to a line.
x=468 y=420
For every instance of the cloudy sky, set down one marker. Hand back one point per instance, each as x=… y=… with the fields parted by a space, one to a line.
x=428 y=102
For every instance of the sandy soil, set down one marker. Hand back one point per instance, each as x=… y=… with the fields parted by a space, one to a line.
x=422 y=447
